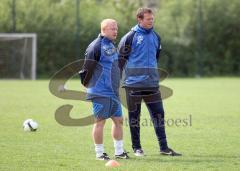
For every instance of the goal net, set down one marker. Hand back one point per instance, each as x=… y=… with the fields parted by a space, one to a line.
x=18 y=56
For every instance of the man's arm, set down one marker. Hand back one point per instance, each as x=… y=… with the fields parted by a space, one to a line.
x=159 y=48
x=92 y=56
x=125 y=48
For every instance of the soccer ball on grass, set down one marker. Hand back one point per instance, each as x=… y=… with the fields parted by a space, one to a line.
x=30 y=125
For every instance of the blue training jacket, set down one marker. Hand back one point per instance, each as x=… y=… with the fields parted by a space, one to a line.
x=106 y=74
x=141 y=67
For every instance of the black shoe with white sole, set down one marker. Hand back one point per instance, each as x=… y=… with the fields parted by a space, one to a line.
x=138 y=152
x=124 y=155
x=169 y=152
x=103 y=157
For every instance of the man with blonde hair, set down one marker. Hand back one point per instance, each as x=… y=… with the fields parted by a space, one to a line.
x=102 y=81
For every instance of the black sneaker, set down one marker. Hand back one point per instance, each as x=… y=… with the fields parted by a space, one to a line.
x=169 y=152
x=124 y=155
x=103 y=157
x=138 y=152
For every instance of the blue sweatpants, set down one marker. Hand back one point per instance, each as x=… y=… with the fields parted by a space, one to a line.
x=152 y=98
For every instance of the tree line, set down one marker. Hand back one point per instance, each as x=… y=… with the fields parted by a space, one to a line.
x=199 y=38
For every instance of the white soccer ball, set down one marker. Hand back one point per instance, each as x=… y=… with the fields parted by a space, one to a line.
x=30 y=125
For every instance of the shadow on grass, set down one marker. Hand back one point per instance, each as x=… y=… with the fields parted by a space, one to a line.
x=218 y=156
x=180 y=159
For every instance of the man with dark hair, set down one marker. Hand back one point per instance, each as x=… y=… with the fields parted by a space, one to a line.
x=139 y=53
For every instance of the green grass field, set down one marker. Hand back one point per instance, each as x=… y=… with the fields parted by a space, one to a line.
x=211 y=142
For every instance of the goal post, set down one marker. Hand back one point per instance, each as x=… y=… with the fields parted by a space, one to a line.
x=18 y=55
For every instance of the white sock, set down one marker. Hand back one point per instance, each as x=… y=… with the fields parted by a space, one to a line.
x=99 y=149
x=118 y=145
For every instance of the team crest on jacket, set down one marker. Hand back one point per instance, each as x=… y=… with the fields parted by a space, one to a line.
x=109 y=50
x=139 y=39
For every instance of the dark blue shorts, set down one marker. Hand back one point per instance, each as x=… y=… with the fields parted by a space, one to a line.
x=106 y=107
